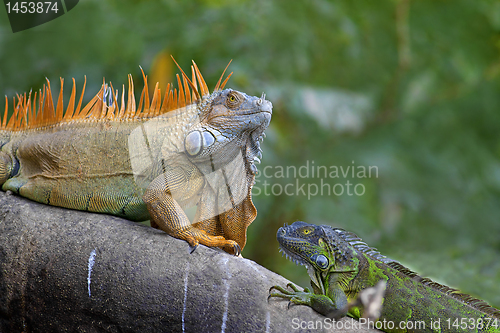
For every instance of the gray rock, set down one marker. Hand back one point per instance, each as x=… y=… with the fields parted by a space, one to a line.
x=69 y=271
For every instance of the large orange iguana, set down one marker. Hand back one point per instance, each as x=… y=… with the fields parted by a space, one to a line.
x=146 y=162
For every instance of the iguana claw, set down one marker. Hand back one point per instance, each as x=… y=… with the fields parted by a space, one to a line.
x=193 y=248
x=237 y=249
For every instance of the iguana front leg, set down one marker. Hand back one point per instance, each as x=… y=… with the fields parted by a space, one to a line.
x=169 y=216
x=335 y=307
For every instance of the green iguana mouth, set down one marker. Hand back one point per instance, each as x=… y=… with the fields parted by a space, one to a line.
x=286 y=244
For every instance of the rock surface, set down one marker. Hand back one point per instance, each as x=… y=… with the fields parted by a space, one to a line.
x=69 y=271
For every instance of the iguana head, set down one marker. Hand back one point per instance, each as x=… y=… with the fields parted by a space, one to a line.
x=320 y=248
x=229 y=122
x=220 y=135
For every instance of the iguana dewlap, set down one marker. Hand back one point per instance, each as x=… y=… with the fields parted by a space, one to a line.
x=151 y=161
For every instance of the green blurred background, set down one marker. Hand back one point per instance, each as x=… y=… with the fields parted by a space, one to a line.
x=409 y=87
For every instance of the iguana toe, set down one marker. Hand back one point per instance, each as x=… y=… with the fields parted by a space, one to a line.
x=282 y=291
x=195 y=236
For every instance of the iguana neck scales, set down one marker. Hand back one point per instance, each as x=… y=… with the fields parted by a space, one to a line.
x=340 y=265
x=188 y=147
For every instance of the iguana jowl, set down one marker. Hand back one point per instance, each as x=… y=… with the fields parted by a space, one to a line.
x=190 y=148
x=340 y=265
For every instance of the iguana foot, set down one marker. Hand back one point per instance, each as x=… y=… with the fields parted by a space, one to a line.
x=320 y=303
x=196 y=236
x=295 y=296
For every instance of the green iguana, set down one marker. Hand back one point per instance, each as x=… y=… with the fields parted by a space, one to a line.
x=340 y=265
x=193 y=148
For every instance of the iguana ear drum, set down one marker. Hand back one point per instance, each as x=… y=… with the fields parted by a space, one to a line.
x=208 y=139
x=320 y=260
x=193 y=143
x=196 y=141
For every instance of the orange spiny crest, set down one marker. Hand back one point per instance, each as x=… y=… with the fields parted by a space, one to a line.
x=143 y=111
x=155 y=102
x=218 y=85
x=12 y=120
x=131 y=99
x=19 y=111
x=101 y=102
x=163 y=108
x=37 y=110
x=203 y=85
x=182 y=97
x=78 y=108
x=90 y=110
x=25 y=110
x=193 y=76
x=193 y=85
x=122 y=108
x=48 y=106
x=4 y=122
x=141 y=100
x=111 y=110
x=71 y=105
x=59 y=109
x=186 y=89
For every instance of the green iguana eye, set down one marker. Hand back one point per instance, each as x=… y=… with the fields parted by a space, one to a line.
x=306 y=231
x=322 y=261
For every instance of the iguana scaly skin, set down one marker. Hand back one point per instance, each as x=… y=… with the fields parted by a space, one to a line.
x=340 y=265
x=193 y=148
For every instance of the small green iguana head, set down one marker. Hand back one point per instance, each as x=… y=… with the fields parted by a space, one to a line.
x=320 y=248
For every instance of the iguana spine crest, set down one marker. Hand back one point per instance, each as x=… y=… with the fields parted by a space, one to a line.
x=37 y=111
x=361 y=246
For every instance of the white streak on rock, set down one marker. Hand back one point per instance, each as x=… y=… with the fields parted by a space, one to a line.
x=268 y=322
x=91 y=265
x=226 y=294
x=185 y=296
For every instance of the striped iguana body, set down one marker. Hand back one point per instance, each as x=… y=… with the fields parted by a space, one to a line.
x=340 y=265
x=193 y=148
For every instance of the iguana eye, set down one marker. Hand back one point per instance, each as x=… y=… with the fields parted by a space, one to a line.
x=306 y=231
x=322 y=261
x=233 y=99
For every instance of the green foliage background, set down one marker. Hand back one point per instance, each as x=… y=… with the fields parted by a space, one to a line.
x=411 y=87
